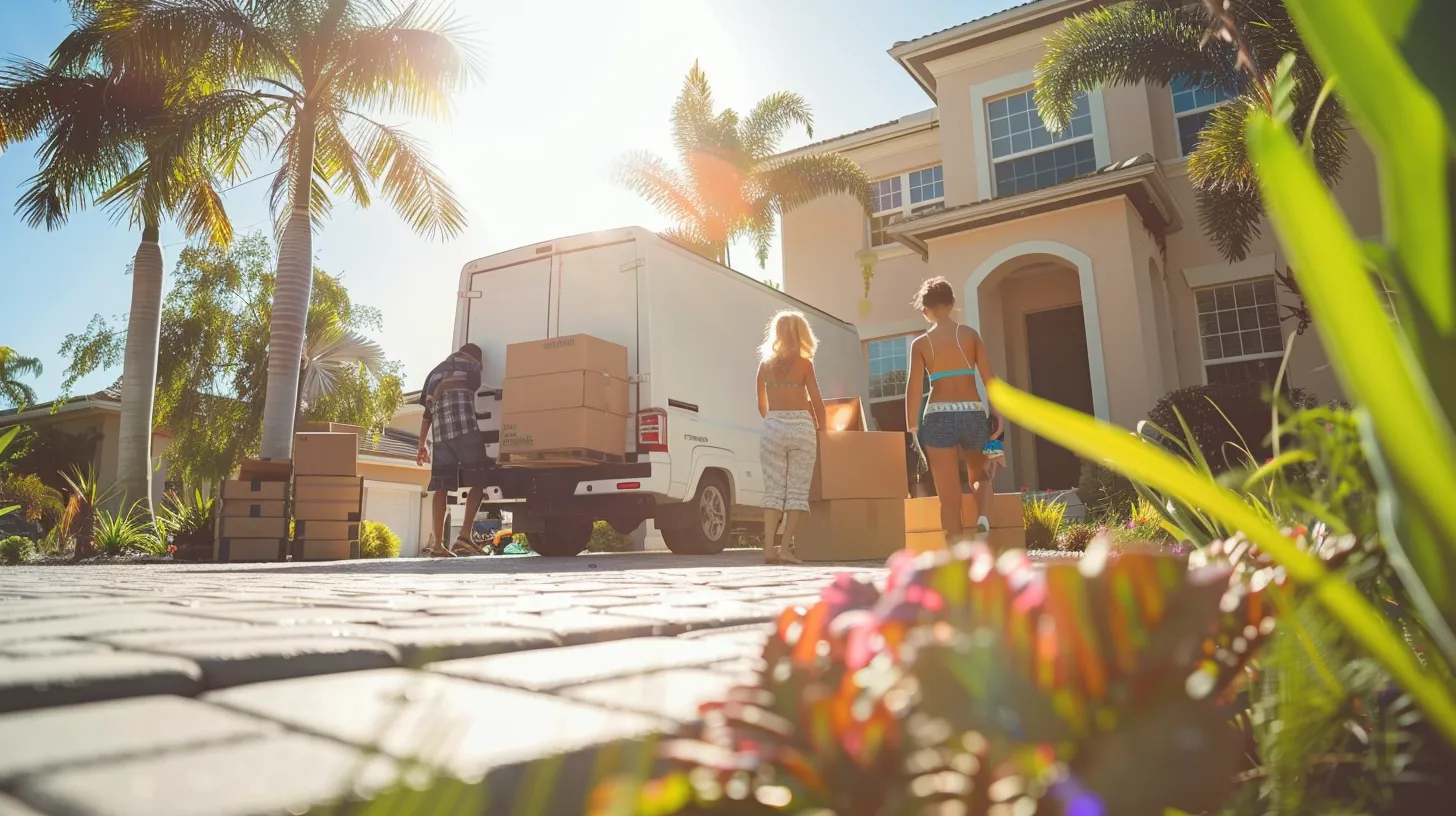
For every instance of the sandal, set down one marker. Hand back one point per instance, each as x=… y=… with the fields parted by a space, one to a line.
x=464 y=547
x=433 y=550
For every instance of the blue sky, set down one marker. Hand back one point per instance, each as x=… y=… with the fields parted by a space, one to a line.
x=570 y=86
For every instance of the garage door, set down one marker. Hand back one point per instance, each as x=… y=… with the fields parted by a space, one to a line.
x=399 y=509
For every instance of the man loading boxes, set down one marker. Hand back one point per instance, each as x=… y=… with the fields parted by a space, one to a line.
x=459 y=459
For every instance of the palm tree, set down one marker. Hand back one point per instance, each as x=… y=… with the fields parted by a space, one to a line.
x=730 y=184
x=317 y=67
x=133 y=135
x=1159 y=41
x=13 y=366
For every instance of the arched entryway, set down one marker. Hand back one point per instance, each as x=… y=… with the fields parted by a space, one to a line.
x=1036 y=306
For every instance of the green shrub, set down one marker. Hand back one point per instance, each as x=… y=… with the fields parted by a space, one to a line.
x=186 y=519
x=126 y=530
x=376 y=540
x=36 y=500
x=15 y=549
x=1105 y=493
x=1230 y=422
x=1076 y=536
x=605 y=538
x=1043 y=518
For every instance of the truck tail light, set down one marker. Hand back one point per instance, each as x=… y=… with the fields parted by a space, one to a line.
x=652 y=431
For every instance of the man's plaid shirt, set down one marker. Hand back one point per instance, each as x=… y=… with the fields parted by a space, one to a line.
x=453 y=413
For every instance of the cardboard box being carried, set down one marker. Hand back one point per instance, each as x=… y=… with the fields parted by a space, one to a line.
x=563 y=429
x=565 y=389
x=325 y=454
x=577 y=352
x=851 y=530
x=860 y=465
x=328 y=488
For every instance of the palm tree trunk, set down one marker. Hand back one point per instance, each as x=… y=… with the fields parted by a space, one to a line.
x=139 y=372
x=290 y=305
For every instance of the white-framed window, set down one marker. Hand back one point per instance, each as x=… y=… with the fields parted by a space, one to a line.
x=1193 y=104
x=904 y=196
x=1239 y=331
x=1025 y=156
x=889 y=367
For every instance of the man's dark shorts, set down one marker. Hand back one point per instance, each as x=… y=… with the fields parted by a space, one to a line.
x=460 y=462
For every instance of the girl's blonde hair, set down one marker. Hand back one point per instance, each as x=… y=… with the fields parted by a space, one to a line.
x=788 y=338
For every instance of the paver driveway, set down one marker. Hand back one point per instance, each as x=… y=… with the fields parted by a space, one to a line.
x=277 y=688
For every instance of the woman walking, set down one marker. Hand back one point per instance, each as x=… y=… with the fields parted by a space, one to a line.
x=957 y=422
x=792 y=411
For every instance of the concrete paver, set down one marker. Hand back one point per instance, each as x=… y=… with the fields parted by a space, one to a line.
x=538 y=676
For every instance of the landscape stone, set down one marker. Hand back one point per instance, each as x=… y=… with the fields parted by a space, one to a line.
x=52 y=681
x=421 y=645
x=236 y=662
x=89 y=625
x=470 y=729
x=580 y=626
x=51 y=738
x=682 y=618
x=285 y=773
x=51 y=648
x=556 y=668
x=151 y=641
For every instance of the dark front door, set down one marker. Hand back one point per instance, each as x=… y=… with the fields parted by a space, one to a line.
x=1056 y=345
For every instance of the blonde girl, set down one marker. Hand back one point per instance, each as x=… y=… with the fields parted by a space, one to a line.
x=792 y=411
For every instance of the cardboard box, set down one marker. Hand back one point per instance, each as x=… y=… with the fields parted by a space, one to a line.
x=248 y=527
x=265 y=470
x=844 y=414
x=577 y=352
x=325 y=454
x=255 y=490
x=566 y=429
x=257 y=509
x=324 y=550
x=1005 y=538
x=851 y=530
x=566 y=389
x=346 y=510
x=233 y=550
x=328 y=488
x=860 y=465
x=326 y=530
x=923 y=515
x=327 y=427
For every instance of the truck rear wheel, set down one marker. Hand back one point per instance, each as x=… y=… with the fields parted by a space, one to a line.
x=563 y=538
x=709 y=532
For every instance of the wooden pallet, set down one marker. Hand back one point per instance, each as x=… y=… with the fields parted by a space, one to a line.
x=566 y=457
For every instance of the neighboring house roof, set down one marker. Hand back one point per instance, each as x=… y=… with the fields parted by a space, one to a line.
x=107 y=399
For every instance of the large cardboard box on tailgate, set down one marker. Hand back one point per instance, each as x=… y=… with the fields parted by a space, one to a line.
x=923 y=530
x=328 y=494
x=566 y=396
x=857 y=498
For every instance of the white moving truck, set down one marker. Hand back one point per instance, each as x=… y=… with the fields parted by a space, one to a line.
x=692 y=329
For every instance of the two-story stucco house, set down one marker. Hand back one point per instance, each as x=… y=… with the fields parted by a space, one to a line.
x=1078 y=257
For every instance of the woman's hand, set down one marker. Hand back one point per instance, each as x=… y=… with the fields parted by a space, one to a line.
x=997 y=426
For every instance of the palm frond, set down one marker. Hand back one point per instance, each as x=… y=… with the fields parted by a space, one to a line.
x=690 y=238
x=332 y=349
x=409 y=180
x=339 y=159
x=692 y=112
x=764 y=127
x=1125 y=43
x=793 y=182
x=410 y=64
x=663 y=187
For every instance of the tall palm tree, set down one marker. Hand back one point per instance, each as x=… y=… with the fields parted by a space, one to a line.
x=730 y=186
x=13 y=366
x=1159 y=41
x=135 y=136
x=324 y=69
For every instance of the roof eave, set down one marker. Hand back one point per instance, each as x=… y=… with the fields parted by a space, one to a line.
x=864 y=139
x=46 y=410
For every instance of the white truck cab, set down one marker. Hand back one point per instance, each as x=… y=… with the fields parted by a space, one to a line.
x=692 y=329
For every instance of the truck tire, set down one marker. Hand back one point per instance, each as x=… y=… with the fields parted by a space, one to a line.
x=563 y=538
x=712 y=523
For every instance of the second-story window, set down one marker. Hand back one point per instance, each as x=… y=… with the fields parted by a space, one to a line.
x=1025 y=156
x=1193 y=104
x=904 y=196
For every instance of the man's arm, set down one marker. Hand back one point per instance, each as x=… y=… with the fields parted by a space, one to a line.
x=422 y=454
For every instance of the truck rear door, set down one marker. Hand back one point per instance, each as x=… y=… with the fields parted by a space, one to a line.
x=596 y=294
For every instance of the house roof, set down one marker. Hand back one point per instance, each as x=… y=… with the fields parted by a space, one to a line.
x=928 y=118
x=108 y=398
x=914 y=55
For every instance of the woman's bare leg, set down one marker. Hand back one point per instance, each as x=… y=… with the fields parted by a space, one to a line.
x=770 y=532
x=977 y=471
x=945 y=471
x=786 y=550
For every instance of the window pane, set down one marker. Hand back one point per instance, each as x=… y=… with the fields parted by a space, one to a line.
x=1000 y=147
x=1253 y=344
x=1045 y=169
x=1189 y=126
x=1228 y=321
x=1019 y=102
x=1273 y=340
x=1264 y=291
x=1268 y=315
x=1207 y=324
x=1225 y=296
x=889 y=367
x=926 y=185
x=1212 y=348
x=1016 y=120
x=1205 y=300
x=1244 y=294
x=1248 y=318
x=999 y=128
x=1231 y=346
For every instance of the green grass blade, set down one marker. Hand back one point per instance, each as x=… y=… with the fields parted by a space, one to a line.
x=1415 y=443
x=1114 y=447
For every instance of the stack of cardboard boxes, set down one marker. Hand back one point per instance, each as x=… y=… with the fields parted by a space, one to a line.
x=252 y=515
x=924 y=532
x=564 y=400
x=328 y=496
x=857 y=499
